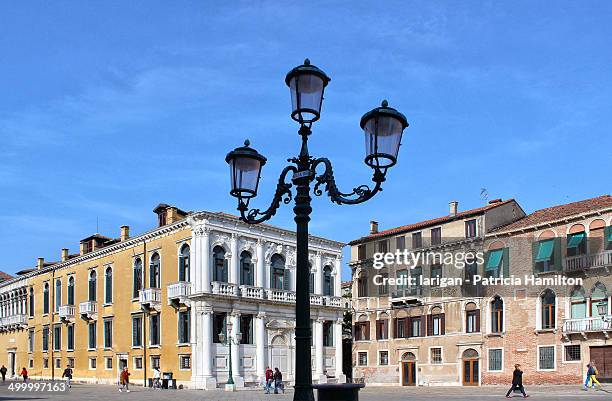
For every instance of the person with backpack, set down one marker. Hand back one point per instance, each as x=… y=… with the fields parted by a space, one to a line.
x=68 y=375
x=517 y=381
x=594 y=376
x=589 y=374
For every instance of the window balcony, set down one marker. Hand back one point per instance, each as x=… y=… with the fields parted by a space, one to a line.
x=178 y=293
x=226 y=289
x=280 y=295
x=317 y=299
x=88 y=309
x=150 y=298
x=14 y=322
x=247 y=291
x=66 y=312
x=585 y=262
x=337 y=302
x=587 y=325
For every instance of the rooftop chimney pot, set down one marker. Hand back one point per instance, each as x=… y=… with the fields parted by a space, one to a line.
x=453 y=205
x=125 y=232
x=498 y=200
x=40 y=263
x=64 y=254
x=373 y=227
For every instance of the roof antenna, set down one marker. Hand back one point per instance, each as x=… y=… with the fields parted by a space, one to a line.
x=97 y=228
x=484 y=194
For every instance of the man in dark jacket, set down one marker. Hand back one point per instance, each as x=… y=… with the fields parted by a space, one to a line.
x=517 y=381
x=278 y=381
x=68 y=375
x=3 y=370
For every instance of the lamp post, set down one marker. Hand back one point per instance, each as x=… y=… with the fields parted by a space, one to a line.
x=229 y=341
x=383 y=128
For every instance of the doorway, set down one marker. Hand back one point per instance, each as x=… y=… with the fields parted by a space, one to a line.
x=12 y=364
x=122 y=362
x=602 y=358
x=279 y=354
x=471 y=368
x=408 y=364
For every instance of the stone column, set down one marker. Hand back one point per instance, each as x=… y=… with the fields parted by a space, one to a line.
x=338 y=350
x=196 y=338
x=260 y=342
x=318 y=343
x=204 y=250
x=196 y=261
x=338 y=278
x=209 y=380
x=236 y=370
x=260 y=275
x=234 y=275
x=318 y=282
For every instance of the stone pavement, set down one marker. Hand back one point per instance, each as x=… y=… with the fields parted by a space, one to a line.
x=82 y=392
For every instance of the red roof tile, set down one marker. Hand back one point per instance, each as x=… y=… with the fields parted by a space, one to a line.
x=432 y=222
x=4 y=276
x=559 y=212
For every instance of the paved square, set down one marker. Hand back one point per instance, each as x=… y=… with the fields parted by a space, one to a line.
x=82 y=392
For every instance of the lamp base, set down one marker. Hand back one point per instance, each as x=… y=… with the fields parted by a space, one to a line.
x=230 y=387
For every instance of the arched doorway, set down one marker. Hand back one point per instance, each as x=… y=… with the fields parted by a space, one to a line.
x=408 y=364
x=279 y=353
x=471 y=367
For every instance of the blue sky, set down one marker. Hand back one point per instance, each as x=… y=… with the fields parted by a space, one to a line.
x=109 y=108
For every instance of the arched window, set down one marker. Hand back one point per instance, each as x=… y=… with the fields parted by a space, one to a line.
x=219 y=264
x=578 y=304
x=137 y=278
x=46 y=298
x=599 y=294
x=108 y=285
x=92 y=286
x=184 y=260
x=548 y=309
x=328 y=281
x=246 y=269
x=278 y=272
x=58 y=294
x=71 y=290
x=497 y=315
x=31 y=301
x=154 y=273
x=472 y=318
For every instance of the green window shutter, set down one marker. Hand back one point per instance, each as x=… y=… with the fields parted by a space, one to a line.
x=486 y=263
x=495 y=258
x=506 y=262
x=574 y=240
x=608 y=236
x=558 y=262
x=545 y=250
x=535 y=245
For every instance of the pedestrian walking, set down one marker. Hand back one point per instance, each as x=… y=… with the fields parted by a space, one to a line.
x=278 y=381
x=594 y=376
x=589 y=375
x=124 y=380
x=3 y=371
x=156 y=379
x=269 y=380
x=24 y=374
x=517 y=381
x=68 y=375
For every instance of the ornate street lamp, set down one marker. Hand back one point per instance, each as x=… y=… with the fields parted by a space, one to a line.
x=602 y=309
x=229 y=340
x=383 y=128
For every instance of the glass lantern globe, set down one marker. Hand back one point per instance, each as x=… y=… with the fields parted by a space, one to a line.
x=245 y=170
x=383 y=128
x=306 y=84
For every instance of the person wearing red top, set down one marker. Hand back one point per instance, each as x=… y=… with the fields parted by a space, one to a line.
x=24 y=374
x=269 y=379
x=124 y=379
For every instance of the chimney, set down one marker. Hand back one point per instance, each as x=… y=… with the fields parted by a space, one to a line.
x=64 y=254
x=494 y=201
x=125 y=232
x=171 y=215
x=82 y=248
x=40 y=263
x=373 y=227
x=453 y=207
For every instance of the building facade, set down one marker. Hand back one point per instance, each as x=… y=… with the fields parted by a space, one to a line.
x=162 y=299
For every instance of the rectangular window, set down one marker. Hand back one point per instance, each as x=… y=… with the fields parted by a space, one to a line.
x=546 y=358
x=362 y=286
x=108 y=362
x=572 y=353
x=471 y=321
x=436 y=236
x=155 y=362
x=46 y=338
x=93 y=363
x=415 y=326
x=138 y=362
x=383 y=289
x=185 y=362
x=31 y=340
x=184 y=328
x=383 y=357
x=31 y=364
x=400 y=328
x=70 y=338
x=71 y=363
x=436 y=325
x=246 y=328
x=154 y=330
x=218 y=326
x=46 y=363
x=108 y=333
x=92 y=335
x=436 y=272
x=417 y=241
x=362 y=331
x=435 y=355
x=328 y=334
x=58 y=363
x=361 y=252
x=495 y=360
x=400 y=243
x=382 y=329
x=470 y=228
x=136 y=331
x=383 y=246
x=57 y=337
x=362 y=358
